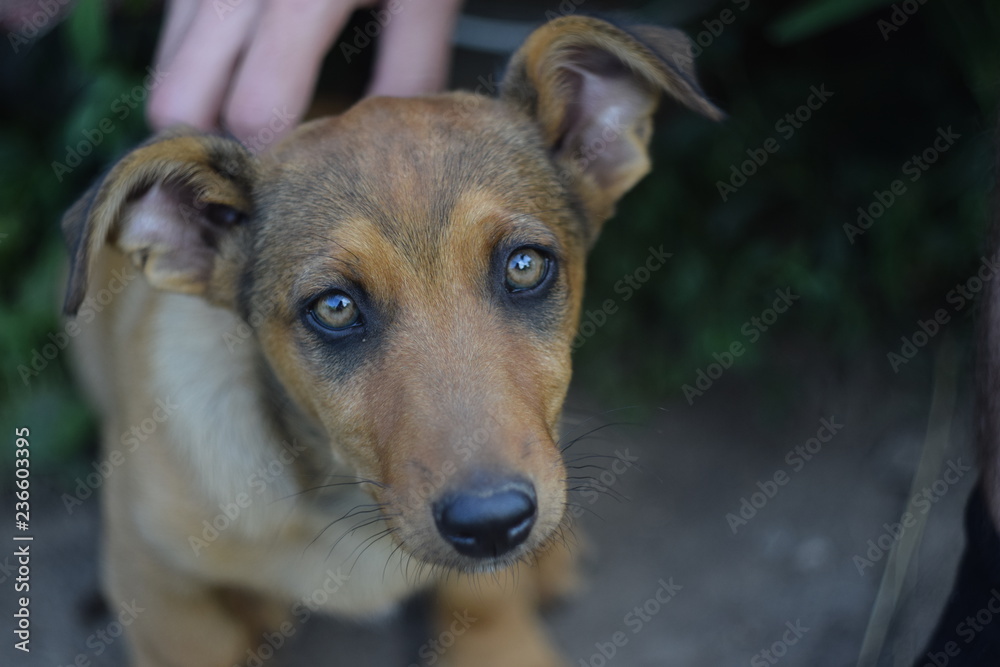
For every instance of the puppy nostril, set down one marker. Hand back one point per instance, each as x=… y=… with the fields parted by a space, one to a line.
x=487 y=525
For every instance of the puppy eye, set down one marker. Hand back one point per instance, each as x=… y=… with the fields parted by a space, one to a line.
x=335 y=311
x=526 y=269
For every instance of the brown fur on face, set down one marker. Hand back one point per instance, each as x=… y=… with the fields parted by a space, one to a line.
x=451 y=382
x=446 y=352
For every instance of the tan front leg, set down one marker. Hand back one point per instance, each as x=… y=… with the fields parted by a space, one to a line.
x=492 y=620
x=176 y=622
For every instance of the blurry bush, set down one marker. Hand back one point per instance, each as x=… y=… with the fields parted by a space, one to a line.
x=785 y=226
x=62 y=121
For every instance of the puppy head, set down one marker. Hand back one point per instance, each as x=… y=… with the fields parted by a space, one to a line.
x=413 y=270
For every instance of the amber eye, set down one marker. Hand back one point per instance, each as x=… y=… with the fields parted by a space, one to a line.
x=526 y=269
x=335 y=311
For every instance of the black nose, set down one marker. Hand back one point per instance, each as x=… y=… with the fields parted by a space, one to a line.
x=487 y=523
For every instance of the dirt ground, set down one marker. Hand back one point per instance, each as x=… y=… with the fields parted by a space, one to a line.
x=797 y=578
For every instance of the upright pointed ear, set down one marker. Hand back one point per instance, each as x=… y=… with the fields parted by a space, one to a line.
x=593 y=88
x=173 y=205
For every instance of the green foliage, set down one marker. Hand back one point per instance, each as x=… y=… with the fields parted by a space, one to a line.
x=785 y=226
x=61 y=89
x=87 y=32
x=819 y=16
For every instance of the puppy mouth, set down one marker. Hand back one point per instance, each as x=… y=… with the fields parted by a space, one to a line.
x=451 y=560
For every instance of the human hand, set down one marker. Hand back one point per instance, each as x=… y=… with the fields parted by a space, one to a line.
x=247 y=65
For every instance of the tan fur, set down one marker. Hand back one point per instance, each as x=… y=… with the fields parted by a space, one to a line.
x=411 y=204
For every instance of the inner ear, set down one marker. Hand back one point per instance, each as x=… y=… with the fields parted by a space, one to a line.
x=592 y=89
x=174 y=206
x=605 y=102
x=174 y=234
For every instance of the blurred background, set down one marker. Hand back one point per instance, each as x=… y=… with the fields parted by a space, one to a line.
x=872 y=211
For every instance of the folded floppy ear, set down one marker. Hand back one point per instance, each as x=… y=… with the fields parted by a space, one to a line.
x=593 y=88
x=172 y=205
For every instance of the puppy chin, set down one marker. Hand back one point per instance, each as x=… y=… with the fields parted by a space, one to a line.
x=426 y=546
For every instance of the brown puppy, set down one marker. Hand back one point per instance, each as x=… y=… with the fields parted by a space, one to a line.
x=360 y=347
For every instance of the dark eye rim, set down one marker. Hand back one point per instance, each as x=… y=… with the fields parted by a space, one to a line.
x=548 y=255
x=309 y=314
